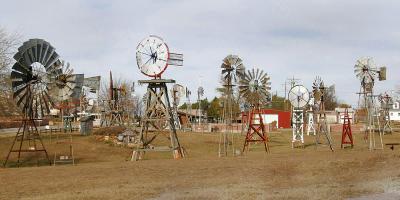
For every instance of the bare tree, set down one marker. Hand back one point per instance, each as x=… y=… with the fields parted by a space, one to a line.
x=129 y=102
x=8 y=46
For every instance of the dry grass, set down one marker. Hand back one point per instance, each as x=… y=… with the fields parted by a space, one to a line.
x=285 y=173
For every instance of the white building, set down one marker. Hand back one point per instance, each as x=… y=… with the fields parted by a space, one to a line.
x=340 y=114
x=395 y=112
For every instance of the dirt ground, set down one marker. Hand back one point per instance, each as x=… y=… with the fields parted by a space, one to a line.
x=102 y=171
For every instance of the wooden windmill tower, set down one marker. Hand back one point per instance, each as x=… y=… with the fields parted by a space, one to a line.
x=255 y=89
x=115 y=103
x=153 y=58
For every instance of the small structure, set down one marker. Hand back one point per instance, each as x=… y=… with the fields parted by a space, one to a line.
x=281 y=117
x=394 y=112
x=86 y=125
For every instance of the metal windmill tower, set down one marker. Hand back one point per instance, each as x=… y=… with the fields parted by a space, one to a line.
x=299 y=98
x=255 y=89
x=367 y=73
x=232 y=71
x=319 y=90
x=177 y=92
x=188 y=107
x=62 y=89
x=311 y=117
x=200 y=93
x=153 y=57
x=36 y=64
x=386 y=104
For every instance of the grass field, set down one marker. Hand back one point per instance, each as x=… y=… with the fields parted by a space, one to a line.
x=102 y=171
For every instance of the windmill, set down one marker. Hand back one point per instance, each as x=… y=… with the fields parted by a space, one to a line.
x=386 y=104
x=232 y=71
x=63 y=88
x=299 y=98
x=37 y=63
x=319 y=102
x=115 y=102
x=255 y=88
x=200 y=93
x=188 y=107
x=177 y=92
x=153 y=57
x=367 y=73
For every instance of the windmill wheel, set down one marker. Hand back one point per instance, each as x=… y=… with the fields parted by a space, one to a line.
x=232 y=70
x=366 y=71
x=255 y=87
x=36 y=65
x=299 y=96
x=63 y=84
x=318 y=89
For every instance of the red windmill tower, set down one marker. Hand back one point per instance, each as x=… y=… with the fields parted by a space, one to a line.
x=346 y=131
x=255 y=87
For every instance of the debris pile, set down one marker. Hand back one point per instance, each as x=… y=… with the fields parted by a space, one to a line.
x=120 y=136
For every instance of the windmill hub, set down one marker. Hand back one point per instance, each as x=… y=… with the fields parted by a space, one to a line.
x=38 y=71
x=254 y=85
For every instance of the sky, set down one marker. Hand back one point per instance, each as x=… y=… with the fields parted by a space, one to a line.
x=300 y=39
